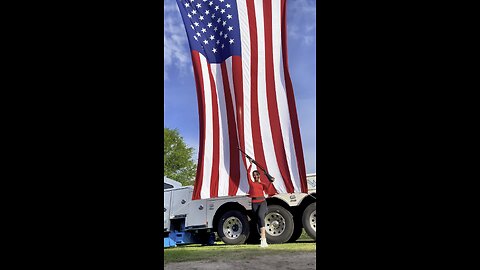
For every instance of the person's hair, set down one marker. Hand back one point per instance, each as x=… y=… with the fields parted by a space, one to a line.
x=256 y=172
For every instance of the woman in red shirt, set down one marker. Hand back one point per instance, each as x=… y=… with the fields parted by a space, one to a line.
x=259 y=205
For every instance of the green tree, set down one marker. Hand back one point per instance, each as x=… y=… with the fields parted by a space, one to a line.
x=178 y=161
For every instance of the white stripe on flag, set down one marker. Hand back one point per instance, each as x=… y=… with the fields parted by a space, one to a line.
x=208 y=154
x=246 y=71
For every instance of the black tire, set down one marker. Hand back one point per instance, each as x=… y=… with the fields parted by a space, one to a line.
x=278 y=224
x=297 y=230
x=309 y=220
x=233 y=228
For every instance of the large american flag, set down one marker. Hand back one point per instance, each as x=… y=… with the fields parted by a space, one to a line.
x=245 y=95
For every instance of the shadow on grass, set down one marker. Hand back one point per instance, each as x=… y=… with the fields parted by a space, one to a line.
x=305 y=241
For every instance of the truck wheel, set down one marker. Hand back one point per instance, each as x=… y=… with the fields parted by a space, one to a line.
x=297 y=229
x=309 y=220
x=278 y=224
x=233 y=228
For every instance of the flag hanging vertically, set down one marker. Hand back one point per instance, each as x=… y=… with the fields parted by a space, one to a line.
x=245 y=95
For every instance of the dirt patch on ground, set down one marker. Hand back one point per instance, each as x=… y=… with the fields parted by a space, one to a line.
x=291 y=261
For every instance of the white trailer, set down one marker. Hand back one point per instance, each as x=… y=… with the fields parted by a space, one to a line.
x=230 y=216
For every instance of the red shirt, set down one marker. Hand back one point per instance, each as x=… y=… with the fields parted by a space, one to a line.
x=256 y=188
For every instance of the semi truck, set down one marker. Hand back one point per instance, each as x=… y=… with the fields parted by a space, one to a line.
x=188 y=221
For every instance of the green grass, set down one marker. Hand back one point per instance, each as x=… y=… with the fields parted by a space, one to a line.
x=304 y=236
x=220 y=251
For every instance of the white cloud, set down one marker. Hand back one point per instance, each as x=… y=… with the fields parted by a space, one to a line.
x=302 y=8
x=193 y=142
x=176 y=55
x=301 y=20
x=170 y=6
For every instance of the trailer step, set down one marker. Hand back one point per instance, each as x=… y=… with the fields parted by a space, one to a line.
x=168 y=242
x=178 y=238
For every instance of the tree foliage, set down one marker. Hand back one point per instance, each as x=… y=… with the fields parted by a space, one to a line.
x=178 y=163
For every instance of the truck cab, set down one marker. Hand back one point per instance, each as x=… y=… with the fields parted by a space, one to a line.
x=175 y=201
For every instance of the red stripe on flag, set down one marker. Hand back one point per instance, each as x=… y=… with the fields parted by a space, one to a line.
x=256 y=132
x=255 y=121
x=197 y=70
x=291 y=103
x=254 y=81
x=216 y=137
x=234 y=174
x=237 y=75
x=274 y=117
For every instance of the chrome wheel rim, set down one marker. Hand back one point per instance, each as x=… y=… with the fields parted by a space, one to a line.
x=232 y=228
x=313 y=220
x=275 y=224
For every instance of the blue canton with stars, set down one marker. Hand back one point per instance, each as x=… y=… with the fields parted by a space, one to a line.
x=212 y=27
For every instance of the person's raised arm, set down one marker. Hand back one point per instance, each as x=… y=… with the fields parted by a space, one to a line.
x=249 y=175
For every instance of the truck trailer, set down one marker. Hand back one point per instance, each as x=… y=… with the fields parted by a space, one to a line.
x=188 y=221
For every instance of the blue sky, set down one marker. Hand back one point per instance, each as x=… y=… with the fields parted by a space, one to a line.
x=180 y=98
